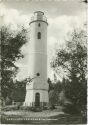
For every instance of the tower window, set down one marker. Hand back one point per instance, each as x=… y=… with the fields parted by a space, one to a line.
x=39 y=35
x=39 y=24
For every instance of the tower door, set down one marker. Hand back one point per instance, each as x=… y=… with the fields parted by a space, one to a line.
x=37 y=99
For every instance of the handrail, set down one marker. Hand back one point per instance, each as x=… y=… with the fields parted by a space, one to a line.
x=33 y=18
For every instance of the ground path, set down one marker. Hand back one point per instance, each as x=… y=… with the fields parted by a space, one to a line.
x=46 y=113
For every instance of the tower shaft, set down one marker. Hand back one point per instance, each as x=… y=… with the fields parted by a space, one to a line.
x=37 y=90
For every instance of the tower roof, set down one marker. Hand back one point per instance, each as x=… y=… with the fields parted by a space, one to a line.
x=39 y=12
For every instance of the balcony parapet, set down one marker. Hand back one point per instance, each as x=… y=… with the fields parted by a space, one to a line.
x=38 y=16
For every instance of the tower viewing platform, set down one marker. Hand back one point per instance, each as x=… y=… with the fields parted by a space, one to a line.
x=38 y=16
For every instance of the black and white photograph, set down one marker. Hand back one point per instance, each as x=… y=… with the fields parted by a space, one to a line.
x=43 y=62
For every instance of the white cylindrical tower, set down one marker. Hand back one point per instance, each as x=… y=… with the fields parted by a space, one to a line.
x=37 y=90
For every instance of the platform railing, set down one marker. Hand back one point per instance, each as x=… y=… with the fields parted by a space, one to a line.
x=33 y=18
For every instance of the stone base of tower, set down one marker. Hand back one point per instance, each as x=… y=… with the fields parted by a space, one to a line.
x=36 y=98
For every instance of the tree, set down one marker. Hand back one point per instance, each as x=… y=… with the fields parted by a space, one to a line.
x=54 y=91
x=19 y=92
x=73 y=60
x=11 y=44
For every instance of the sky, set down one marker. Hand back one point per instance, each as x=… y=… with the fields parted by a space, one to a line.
x=62 y=15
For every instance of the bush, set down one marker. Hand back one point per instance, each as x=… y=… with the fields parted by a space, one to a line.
x=45 y=107
x=52 y=107
x=36 y=109
x=10 y=107
x=71 y=109
x=25 y=107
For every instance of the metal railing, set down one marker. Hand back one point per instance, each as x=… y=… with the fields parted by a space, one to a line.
x=33 y=18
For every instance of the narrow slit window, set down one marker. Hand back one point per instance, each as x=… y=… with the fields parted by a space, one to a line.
x=39 y=35
x=39 y=24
